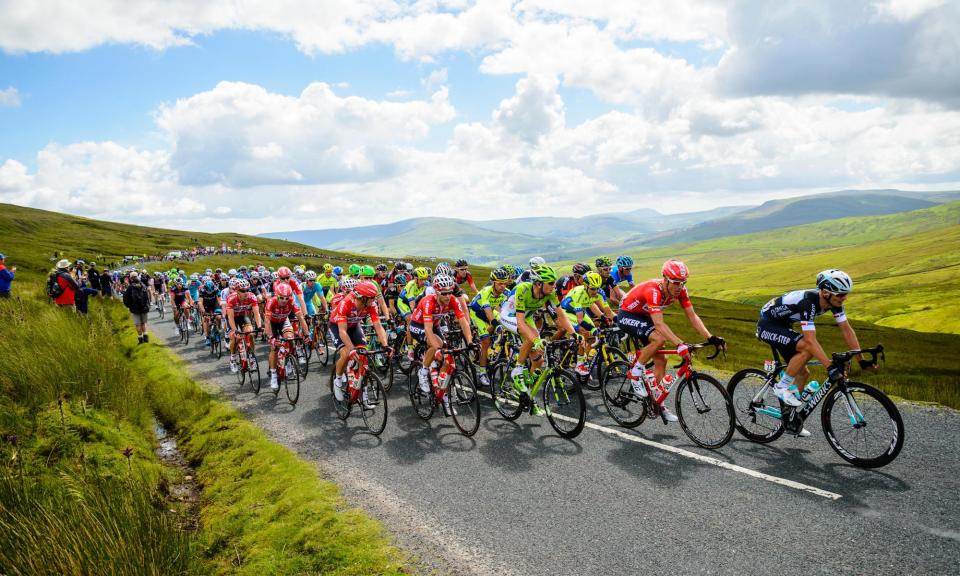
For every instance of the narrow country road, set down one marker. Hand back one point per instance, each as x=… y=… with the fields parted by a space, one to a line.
x=518 y=499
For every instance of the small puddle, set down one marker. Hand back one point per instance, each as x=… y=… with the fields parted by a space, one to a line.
x=183 y=496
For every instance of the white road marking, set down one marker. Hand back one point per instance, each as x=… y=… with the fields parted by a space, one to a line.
x=701 y=458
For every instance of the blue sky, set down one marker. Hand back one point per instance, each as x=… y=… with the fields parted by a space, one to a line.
x=457 y=108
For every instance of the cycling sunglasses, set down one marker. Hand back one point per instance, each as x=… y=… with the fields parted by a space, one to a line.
x=677 y=282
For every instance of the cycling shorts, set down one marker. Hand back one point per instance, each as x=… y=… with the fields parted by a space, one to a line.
x=354 y=332
x=638 y=325
x=510 y=322
x=587 y=322
x=241 y=321
x=482 y=325
x=418 y=332
x=403 y=308
x=781 y=338
x=281 y=327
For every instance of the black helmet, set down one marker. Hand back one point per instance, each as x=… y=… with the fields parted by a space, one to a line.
x=460 y=263
x=580 y=268
x=381 y=267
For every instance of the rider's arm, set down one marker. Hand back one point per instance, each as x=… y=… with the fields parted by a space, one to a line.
x=850 y=337
x=303 y=322
x=256 y=316
x=696 y=322
x=381 y=334
x=563 y=323
x=465 y=327
x=230 y=321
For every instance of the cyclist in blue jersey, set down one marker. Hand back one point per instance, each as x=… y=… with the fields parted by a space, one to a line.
x=311 y=290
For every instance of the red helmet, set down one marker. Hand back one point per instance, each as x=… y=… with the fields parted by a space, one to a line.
x=366 y=290
x=675 y=270
x=283 y=290
x=283 y=272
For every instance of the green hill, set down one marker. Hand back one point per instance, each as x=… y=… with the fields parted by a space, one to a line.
x=906 y=267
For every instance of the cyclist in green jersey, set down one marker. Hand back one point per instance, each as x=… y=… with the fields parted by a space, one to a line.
x=577 y=306
x=485 y=314
x=408 y=298
x=328 y=282
x=368 y=274
x=516 y=315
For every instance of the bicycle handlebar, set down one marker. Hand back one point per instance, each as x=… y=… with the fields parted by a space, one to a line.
x=875 y=353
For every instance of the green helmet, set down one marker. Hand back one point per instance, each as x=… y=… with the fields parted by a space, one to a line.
x=543 y=274
x=354 y=269
x=604 y=262
x=367 y=272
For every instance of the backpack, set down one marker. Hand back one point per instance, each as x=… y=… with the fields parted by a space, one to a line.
x=143 y=298
x=54 y=290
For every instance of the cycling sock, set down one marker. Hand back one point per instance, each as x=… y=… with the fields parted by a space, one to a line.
x=786 y=381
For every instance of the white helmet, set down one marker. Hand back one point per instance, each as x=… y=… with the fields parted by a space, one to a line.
x=836 y=281
x=443 y=283
x=537 y=261
x=348 y=284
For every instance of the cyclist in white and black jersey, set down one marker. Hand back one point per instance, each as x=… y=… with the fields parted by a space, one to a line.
x=775 y=327
x=527 y=274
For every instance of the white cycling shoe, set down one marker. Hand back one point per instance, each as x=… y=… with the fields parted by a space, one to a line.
x=338 y=390
x=788 y=396
x=424 y=382
x=668 y=415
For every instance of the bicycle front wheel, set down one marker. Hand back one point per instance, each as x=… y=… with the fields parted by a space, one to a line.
x=595 y=380
x=291 y=383
x=618 y=397
x=465 y=403
x=506 y=399
x=380 y=361
x=756 y=408
x=373 y=403
x=253 y=366
x=704 y=411
x=302 y=355
x=862 y=425
x=341 y=407
x=563 y=401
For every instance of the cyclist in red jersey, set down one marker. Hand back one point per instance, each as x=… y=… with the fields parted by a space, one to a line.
x=641 y=316
x=278 y=311
x=568 y=283
x=462 y=275
x=431 y=309
x=240 y=305
x=285 y=276
x=345 y=321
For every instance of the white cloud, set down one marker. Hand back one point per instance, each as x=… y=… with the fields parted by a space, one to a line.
x=10 y=97
x=906 y=10
x=534 y=111
x=435 y=78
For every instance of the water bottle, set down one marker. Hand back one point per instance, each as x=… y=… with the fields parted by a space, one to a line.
x=812 y=387
x=442 y=378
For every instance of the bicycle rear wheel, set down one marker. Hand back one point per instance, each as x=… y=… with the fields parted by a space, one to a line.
x=621 y=402
x=704 y=411
x=867 y=431
x=291 y=383
x=594 y=380
x=302 y=357
x=253 y=367
x=373 y=403
x=320 y=349
x=465 y=403
x=756 y=408
x=562 y=398
x=506 y=399
x=423 y=403
x=341 y=407
x=217 y=346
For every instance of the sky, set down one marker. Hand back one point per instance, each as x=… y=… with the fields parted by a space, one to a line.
x=293 y=114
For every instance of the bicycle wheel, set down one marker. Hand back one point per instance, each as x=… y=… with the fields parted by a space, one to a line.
x=160 y=308
x=373 y=403
x=380 y=361
x=341 y=407
x=506 y=399
x=866 y=431
x=423 y=402
x=291 y=384
x=465 y=403
x=704 y=411
x=756 y=408
x=302 y=358
x=562 y=398
x=594 y=380
x=320 y=350
x=241 y=373
x=404 y=362
x=216 y=347
x=253 y=367
x=184 y=328
x=622 y=404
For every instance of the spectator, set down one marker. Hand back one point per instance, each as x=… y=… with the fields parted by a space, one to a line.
x=6 y=277
x=66 y=289
x=137 y=300
x=94 y=277
x=106 y=284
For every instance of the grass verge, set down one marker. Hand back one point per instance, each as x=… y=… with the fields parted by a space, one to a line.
x=263 y=509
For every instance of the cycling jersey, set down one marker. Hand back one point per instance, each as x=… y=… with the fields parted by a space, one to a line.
x=210 y=300
x=607 y=286
x=179 y=294
x=565 y=285
x=618 y=277
x=309 y=292
x=648 y=297
x=293 y=286
x=524 y=276
x=327 y=283
x=462 y=277
x=485 y=299
x=277 y=312
x=194 y=288
x=348 y=313
x=579 y=300
x=241 y=304
x=524 y=301
x=430 y=310
x=801 y=306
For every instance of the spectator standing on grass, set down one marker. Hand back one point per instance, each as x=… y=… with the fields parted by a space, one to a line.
x=93 y=277
x=106 y=284
x=61 y=286
x=6 y=277
x=137 y=300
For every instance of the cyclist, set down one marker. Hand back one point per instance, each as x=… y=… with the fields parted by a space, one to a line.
x=327 y=281
x=775 y=327
x=345 y=321
x=568 y=283
x=610 y=289
x=641 y=316
x=277 y=314
x=285 y=276
x=240 y=305
x=485 y=314
x=516 y=315
x=578 y=305
x=462 y=275
x=525 y=275
x=368 y=274
x=313 y=293
x=431 y=309
x=623 y=272
x=209 y=303
x=181 y=299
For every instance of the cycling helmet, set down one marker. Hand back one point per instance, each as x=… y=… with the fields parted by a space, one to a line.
x=835 y=281
x=178 y=281
x=500 y=274
x=624 y=262
x=580 y=268
x=675 y=270
x=254 y=275
x=537 y=261
x=348 y=284
x=442 y=263
x=209 y=285
x=444 y=283
x=604 y=262
x=194 y=276
x=354 y=269
x=400 y=279
x=299 y=268
x=219 y=270
x=232 y=272
x=408 y=266
x=381 y=267
x=328 y=267
x=283 y=290
x=337 y=270
x=517 y=271
x=460 y=263
x=233 y=283
x=311 y=275
x=543 y=274
x=274 y=276
x=444 y=270
x=283 y=272
x=399 y=265
x=429 y=271
x=366 y=290
x=422 y=273
x=208 y=272
x=243 y=268
x=367 y=272
x=242 y=284
x=593 y=280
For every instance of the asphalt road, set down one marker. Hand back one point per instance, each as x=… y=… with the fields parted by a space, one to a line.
x=518 y=499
